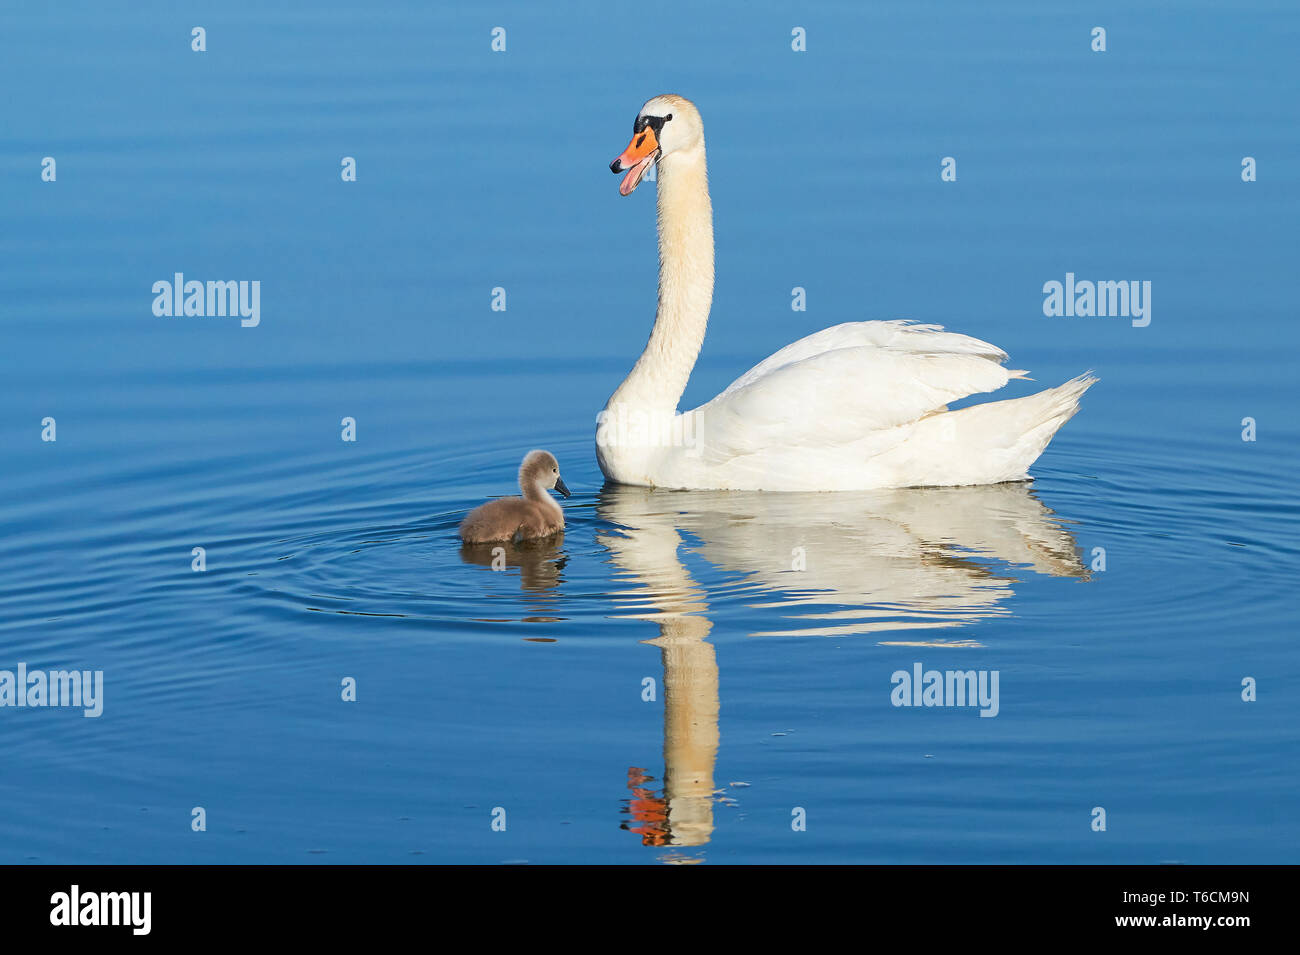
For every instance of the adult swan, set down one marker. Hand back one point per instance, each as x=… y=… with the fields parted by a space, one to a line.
x=853 y=407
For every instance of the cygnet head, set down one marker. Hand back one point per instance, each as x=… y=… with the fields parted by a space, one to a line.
x=541 y=471
x=666 y=124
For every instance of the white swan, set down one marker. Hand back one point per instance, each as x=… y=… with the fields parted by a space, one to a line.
x=857 y=406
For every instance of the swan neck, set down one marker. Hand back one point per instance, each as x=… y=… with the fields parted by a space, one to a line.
x=537 y=493
x=685 y=218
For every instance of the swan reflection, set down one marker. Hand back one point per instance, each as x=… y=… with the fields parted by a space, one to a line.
x=848 y=562
x=828 y=564
x=541 y=570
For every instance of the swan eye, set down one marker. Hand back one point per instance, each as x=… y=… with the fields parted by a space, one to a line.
x=654 y=122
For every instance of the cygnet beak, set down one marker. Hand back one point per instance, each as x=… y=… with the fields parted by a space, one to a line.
x=559 y=486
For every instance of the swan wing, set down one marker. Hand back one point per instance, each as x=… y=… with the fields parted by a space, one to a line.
x=846 y=393
x=897 y=335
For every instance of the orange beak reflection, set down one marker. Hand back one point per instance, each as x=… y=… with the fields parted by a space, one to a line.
x=636 y=159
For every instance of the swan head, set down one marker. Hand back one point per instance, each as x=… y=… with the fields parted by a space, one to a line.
x=665 y=125
x=540 y=469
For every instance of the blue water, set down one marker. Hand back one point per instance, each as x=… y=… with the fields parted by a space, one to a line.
x=522 y=690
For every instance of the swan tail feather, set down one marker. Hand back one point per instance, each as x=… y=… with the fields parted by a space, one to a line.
x=999 y=440
x=1055 y=407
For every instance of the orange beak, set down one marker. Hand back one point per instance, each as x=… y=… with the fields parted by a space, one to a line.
x=636 y=159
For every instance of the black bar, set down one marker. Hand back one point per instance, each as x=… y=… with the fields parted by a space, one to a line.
x=334 y=903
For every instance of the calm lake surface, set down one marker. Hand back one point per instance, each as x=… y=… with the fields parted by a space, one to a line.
x=524 y=690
